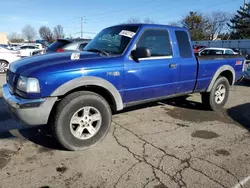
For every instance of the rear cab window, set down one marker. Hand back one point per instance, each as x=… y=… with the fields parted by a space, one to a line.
x=184 y=44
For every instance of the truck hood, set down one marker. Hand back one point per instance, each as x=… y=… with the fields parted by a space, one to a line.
x=29 y=64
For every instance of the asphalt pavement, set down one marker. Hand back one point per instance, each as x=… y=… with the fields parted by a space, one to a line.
x=173 y=143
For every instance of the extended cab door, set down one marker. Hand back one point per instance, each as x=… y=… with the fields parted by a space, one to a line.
x=187 y=63
x=154 y=76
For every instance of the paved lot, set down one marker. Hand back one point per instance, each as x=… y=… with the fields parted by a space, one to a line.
x=174 y=143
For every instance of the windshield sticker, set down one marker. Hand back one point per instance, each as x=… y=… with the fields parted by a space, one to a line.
x=126 y=33
x=75 y=55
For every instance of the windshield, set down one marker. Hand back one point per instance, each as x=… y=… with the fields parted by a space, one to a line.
x=112 y=40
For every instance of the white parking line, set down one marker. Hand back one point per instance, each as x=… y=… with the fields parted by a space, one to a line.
x=242 y=182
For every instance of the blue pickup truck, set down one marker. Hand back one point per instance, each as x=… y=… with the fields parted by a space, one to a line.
x=124 y=65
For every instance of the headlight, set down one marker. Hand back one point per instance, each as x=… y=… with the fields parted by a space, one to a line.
x=28 y=85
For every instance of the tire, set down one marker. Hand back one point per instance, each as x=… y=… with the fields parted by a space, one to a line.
x=211 y=100
x=65 y=131
x=3 y=66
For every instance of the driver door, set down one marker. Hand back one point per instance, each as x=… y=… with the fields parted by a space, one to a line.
x=155 y=76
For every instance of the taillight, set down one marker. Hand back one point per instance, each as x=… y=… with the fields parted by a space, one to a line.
x=60 y=50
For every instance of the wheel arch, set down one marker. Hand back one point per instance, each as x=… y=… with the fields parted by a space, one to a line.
x=90 y=83
x=226 y=71
x=4 y=60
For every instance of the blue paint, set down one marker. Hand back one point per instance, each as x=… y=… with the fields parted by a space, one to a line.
x=136 y=81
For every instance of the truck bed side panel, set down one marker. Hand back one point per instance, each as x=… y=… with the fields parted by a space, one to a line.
x=208 y=65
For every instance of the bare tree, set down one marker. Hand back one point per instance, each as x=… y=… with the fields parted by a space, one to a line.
x=133 y=20
x=29 y=32
x=216 y=24
x=149 y=21
x=175 y=23
x=58 y=32
x=136 y=20
x=46 y=34
x=15 y=37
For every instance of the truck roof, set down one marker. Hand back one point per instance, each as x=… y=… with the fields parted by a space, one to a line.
x=151 y=25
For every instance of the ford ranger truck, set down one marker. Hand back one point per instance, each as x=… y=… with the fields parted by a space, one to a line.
x=124 y=65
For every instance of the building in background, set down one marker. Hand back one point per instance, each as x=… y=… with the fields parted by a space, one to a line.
x=3 y=38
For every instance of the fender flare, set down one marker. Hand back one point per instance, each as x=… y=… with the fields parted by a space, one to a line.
x=218 y=72
x=90 y=80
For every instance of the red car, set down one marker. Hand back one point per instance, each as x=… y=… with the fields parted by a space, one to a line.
x=197 y=48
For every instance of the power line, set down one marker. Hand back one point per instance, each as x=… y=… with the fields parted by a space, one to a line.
x=126 y=14
x=87 y=32
x=119 y=10
x=72 y=21
x=81 y=27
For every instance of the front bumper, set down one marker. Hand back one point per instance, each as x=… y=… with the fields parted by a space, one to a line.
x=29 y=111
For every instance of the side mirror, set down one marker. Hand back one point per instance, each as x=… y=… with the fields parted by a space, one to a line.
x=140 y=52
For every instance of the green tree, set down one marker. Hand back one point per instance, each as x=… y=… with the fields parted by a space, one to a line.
x=194 y=22
x=240 y=23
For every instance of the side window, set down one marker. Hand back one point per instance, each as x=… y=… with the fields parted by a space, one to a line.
x=205 y=52
x=229 y=52
x=157 y=41
x=218 y=52
x=29 y=47
x=23 y=47
x=184 y=44
x=82 y=46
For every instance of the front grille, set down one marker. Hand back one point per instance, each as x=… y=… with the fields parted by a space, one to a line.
x=10 y=79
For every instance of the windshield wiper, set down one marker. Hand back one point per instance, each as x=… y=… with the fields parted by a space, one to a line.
x=98 y=51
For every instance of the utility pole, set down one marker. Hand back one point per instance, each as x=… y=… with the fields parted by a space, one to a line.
x=83 y=21
x=81 y=27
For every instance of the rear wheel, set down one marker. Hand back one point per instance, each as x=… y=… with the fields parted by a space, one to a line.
x=218 y=96
x=3 y=66
x=82 y=120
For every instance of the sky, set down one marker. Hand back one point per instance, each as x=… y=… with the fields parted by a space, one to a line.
x=98 y=14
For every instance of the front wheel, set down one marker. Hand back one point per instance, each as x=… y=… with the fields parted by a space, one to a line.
x=82 y=120
x=218 y=96
x=3 y=66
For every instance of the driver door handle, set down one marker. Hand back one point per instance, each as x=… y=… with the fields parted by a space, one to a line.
x=172 y=66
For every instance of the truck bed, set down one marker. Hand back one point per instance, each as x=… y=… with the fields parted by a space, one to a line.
x=209 y=64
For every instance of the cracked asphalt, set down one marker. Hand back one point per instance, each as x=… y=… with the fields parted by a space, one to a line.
x=173 y=143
